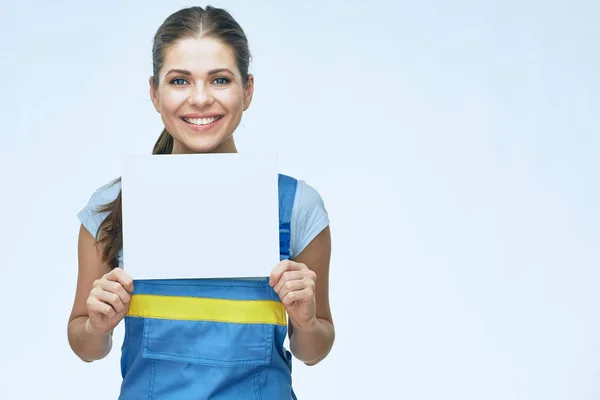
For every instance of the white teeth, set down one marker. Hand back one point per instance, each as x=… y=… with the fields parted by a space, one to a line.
x=201 y=121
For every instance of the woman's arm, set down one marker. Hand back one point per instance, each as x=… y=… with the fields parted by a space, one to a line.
x=313 y=343
x=85 y=342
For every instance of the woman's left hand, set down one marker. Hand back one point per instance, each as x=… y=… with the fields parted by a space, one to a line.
x=295 y=284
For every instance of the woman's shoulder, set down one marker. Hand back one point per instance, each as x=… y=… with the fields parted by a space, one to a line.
x=107 y=192
x=91 y=215
x=307 y=195
x=309 y=216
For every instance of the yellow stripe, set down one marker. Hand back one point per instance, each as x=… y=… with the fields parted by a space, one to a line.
x=206 y=309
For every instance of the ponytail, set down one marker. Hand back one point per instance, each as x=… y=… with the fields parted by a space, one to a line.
x=164 y=143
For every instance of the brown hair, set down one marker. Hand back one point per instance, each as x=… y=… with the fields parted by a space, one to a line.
x=192 y=22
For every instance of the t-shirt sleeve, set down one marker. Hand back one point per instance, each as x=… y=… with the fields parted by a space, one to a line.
x=90 y=216
x=309 y=217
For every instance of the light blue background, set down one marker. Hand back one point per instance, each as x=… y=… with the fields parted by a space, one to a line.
x=455 y=145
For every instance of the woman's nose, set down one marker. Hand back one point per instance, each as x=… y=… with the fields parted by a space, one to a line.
x=200 y=96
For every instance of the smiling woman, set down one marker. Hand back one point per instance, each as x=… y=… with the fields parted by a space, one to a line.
x=200 y=339
x=201 y=94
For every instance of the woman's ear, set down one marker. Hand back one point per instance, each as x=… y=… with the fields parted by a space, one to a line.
x=154 y=95
x=248 y=92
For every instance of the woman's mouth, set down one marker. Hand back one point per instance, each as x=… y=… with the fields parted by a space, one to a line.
x=201 y=123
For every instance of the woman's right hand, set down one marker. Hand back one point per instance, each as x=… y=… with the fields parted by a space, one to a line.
x=108 y=301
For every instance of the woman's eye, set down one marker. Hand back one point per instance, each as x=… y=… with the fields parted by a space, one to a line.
x=221 y=81
x=178 y=81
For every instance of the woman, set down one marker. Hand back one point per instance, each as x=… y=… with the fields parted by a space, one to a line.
x=201 y=87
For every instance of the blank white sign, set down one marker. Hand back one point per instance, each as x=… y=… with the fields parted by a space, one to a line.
x=200 y=215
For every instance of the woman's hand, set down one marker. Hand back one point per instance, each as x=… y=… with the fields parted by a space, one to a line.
x=108 y=301
x=295 y=284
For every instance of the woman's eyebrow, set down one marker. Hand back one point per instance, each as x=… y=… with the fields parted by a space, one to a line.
x=188 y=73
x=179 y=71
x=219 y=70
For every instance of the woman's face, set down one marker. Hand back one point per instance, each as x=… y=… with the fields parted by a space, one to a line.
x=200 y=96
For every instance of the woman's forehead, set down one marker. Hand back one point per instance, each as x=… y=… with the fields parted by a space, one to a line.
x=199 y=56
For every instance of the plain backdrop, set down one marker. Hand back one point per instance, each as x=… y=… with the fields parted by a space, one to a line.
x=455 y=145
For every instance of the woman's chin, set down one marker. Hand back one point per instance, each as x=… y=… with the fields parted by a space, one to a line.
x=198 y=145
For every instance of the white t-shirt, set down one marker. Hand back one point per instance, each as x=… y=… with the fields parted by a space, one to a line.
x=309 y=215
